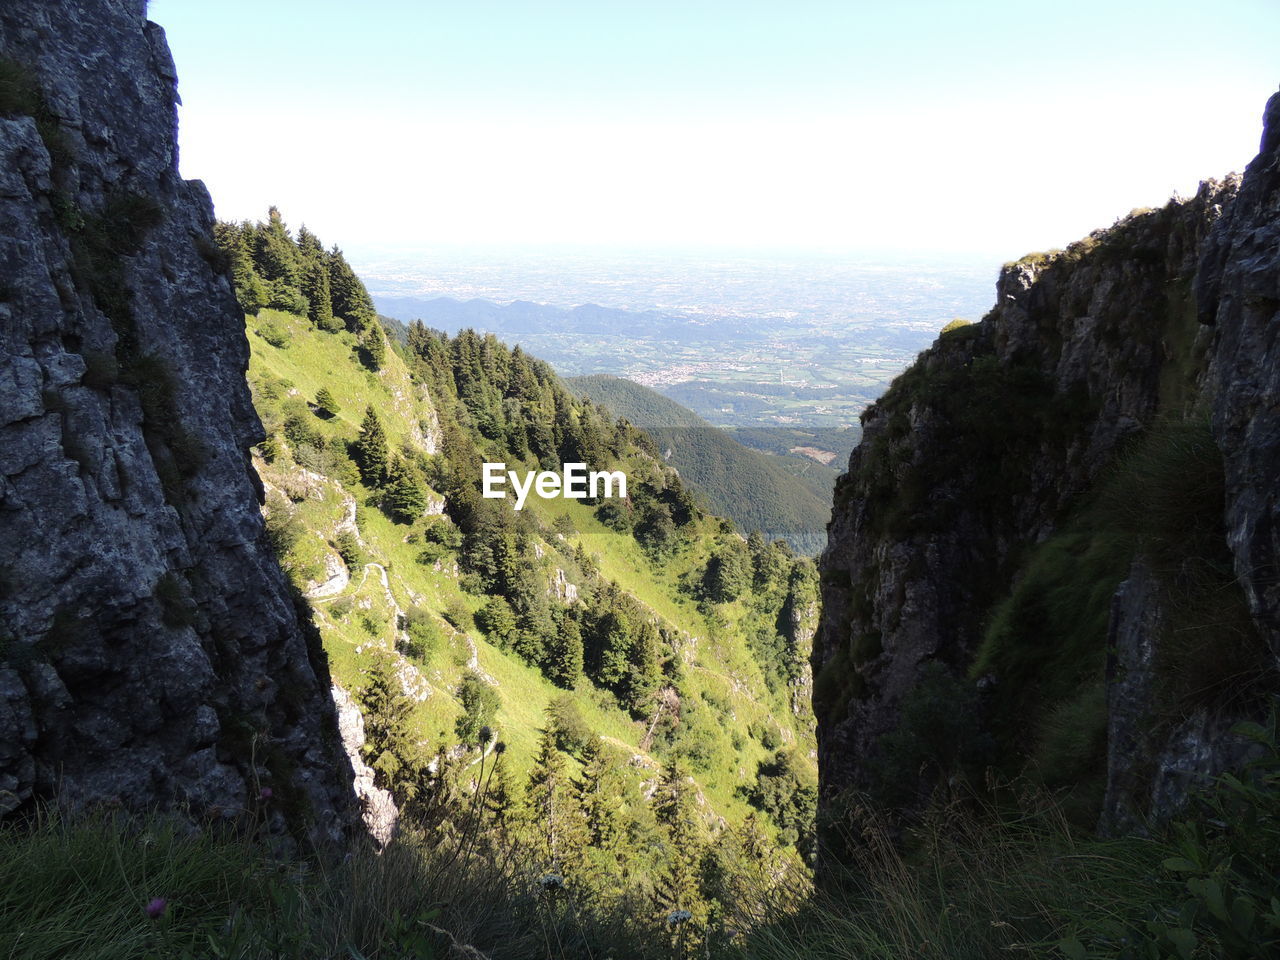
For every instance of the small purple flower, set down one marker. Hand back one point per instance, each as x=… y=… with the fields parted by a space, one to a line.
x=155 y=909
x=264 y=793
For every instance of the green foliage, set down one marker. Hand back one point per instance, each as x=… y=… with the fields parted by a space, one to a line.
x=370 y=452
x=567 y=726
x=553 y=806
x=274 y=334
x=788 y=794
x=425 y=637
x=1046 y=644
x=373 y=346
x=959 y=323
x=498 y=621
x=1167 y=495
x=728 y=573
x=283 y=527
x=678 y=885
x=566 y=655
x=635 y=655
x=755 y=489
x=327 y=403
x=389 y=748
x=314 y=282
x=479 y=703
x=270 y=269
x=406 y=497
x=347 y=543
x=351 y=301
x=458 y=615
x=1216 y=892
x=939 y=735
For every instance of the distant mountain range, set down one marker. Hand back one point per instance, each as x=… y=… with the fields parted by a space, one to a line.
x=521 y=317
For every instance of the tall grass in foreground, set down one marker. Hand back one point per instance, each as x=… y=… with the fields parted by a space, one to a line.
x=115 y=888
x=983 y=878
x=977 y=881
x=1004 y=874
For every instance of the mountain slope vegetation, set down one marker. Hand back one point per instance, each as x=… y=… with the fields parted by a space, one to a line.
x=638 y=642
x=757 y=491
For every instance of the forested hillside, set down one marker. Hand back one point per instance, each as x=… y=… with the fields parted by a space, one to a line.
x=788 y=499
x=629 y=676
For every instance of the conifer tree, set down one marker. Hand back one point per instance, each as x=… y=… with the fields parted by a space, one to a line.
x=479 y=703
x=406 y=498
x=371 y=449
x=600 y=796
x=233 y=239
x=552 y=806
x=388 y=747
x=644 y=675
x=274 y=253
x=327 y=403
x=374 y=345
x=612 y=648
x=315 y=287
x=350 y=299
x=677 y=887
x=564 y=658
x=503 y=799
x=309 y=246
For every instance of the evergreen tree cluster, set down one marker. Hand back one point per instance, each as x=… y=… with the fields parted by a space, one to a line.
x=592 y=834
x=612 y=827
x=270 y=268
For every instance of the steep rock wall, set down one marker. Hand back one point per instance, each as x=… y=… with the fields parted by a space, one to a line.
x=983 y=449
x=151 y=652
x=1238 y=294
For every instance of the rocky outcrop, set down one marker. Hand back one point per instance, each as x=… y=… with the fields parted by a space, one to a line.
x=377 y=806
x=1238 y=294
x=151 y=653
x=983 y=449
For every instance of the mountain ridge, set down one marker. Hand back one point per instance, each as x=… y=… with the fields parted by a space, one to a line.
x=752 y=488
x=1030 y=460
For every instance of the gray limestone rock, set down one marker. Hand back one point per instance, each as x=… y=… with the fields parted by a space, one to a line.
x=151 y=653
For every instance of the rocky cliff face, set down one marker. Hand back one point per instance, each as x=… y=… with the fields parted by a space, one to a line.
x=151 y=653
x=998 y=440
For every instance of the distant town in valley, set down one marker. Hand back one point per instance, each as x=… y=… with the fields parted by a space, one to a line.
x=744 y=340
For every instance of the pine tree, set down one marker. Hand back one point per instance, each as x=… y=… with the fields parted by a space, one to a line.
x=371 y=449
x=564 y=659
x=503 y=799
x=479 y=704
x=233 y=239
x=677 y=887
x=600 y=796
x=327 y=403
x=388 y=747
x=406 y=498
x=644 y=675
x=350 y=300
x=373 y=345
x=274 y=254
x=309 y=246
x=610 y=653
x=315 y=287
x=552 y=807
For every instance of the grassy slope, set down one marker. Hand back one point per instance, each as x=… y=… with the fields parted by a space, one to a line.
x=722 y=667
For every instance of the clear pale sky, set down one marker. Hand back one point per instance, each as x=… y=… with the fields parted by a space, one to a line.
x=921 y=125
